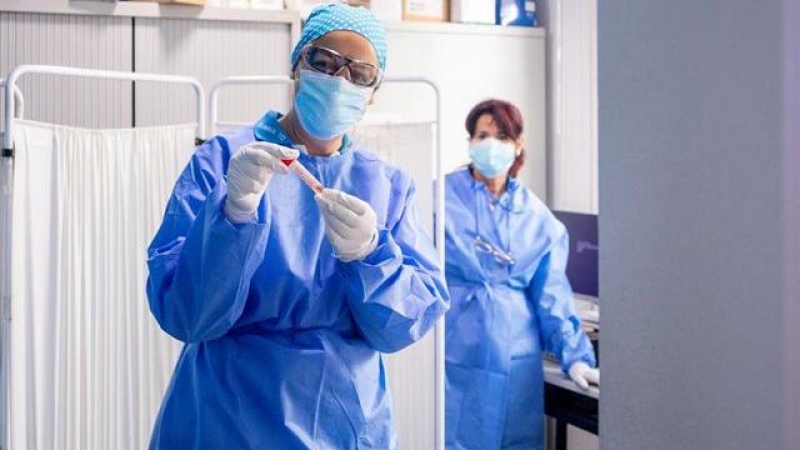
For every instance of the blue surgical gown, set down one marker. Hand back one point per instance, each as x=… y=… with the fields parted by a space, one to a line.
x=282 y=340
x=504 y=316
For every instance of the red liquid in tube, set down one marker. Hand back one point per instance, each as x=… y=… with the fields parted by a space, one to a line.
x=303 y=173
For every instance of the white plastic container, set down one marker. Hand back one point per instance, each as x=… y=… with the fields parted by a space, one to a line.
x=387 y=10
x=472 y=11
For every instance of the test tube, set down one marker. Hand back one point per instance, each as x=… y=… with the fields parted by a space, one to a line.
x=309 y=179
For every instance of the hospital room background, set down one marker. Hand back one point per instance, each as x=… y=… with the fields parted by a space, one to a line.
x=663 y=135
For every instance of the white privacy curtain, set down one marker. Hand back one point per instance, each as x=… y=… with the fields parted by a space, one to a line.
x=89 y=365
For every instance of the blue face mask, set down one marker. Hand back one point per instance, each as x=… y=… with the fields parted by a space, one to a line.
x=492 y=157
x=327 y=105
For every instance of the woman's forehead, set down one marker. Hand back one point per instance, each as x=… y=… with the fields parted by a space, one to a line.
x=350 y=44
x=486 y=122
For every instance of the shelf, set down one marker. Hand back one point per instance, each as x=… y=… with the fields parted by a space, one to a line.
x=149 y=9
x=465 y=28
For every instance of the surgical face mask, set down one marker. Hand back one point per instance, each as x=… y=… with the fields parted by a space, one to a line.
x=328 y=105
x=492 y=157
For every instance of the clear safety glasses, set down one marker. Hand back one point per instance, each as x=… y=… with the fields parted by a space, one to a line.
x=499 y=255
x=485 y=246
x=330 y=62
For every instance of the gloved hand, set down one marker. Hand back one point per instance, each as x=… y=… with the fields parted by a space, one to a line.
x=249 y=172
x=582 y=374
x=350 y=224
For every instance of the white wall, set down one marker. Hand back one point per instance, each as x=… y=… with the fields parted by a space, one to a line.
x=699 y=188
x=571 y=103
x=470 y=64
x=572 y=122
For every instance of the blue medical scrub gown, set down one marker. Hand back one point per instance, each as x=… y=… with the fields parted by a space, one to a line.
x=502 y=317
x=282 y=340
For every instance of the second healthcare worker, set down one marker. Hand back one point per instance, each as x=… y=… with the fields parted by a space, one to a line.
x=283 y=298
x=506 y=257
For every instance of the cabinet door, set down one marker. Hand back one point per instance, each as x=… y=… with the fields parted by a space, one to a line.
x=209 y=50
x=70 y=40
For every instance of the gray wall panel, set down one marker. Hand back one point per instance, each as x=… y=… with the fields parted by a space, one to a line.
x=209 y=51
x=692 y=224
x=81 y=41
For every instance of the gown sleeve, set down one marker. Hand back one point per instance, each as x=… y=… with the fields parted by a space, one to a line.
x=200 y=264
x=551 y=294
x=398 y=292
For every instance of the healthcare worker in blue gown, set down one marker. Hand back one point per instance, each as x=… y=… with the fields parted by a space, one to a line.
x=506 y=256
x=284 y=299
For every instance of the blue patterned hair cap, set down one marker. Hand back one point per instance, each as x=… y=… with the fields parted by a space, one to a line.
x=340 y=17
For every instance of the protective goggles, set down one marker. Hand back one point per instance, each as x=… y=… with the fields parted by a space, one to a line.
x=330 y=62
x=499 y=255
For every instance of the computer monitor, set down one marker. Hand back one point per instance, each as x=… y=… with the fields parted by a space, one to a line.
x=583 y=251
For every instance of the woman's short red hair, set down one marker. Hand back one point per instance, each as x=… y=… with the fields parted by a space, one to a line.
x=506 y=116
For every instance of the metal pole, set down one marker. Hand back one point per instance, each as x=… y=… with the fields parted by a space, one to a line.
x=19 y=107
x=6 y=197
x=440 y=335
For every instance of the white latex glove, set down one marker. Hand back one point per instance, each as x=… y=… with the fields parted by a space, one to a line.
x=350 y=224
x=582 y=375
x=249 y=172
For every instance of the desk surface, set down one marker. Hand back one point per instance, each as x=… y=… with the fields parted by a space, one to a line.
x=554 y=376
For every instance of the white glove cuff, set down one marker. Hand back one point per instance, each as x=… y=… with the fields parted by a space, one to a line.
x=236 y=216
x=363 y=252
